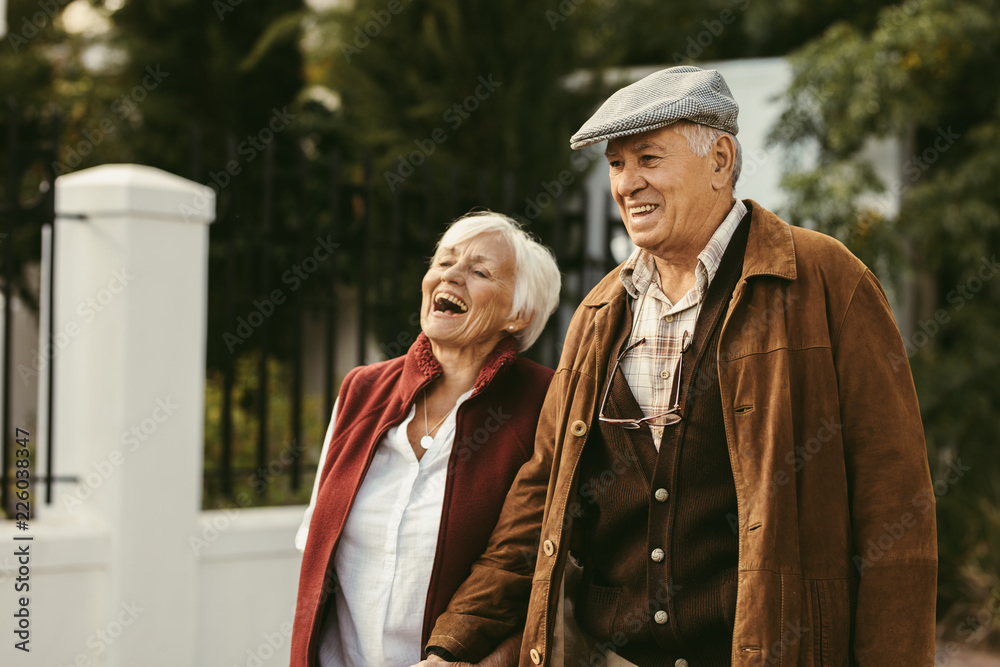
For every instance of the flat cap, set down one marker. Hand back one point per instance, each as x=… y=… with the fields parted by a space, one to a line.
x=677 y=93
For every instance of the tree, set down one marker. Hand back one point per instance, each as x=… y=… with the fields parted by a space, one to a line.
x=474 y=86
x=925 y=73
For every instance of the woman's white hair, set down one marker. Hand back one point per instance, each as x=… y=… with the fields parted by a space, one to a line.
x=536 y=274
x=701 y=138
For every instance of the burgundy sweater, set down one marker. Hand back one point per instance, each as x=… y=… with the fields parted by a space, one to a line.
x=494 y=436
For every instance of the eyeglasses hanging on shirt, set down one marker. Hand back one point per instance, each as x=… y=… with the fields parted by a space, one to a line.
x=671 y=416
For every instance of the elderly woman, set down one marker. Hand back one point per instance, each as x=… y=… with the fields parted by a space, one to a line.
x=421 y=451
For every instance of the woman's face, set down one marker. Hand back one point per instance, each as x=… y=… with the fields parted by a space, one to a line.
x=468 y=292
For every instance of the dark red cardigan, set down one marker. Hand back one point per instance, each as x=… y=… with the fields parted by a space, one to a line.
x=494 y=436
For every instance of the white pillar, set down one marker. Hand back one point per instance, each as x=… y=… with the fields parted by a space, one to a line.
x=130 y=301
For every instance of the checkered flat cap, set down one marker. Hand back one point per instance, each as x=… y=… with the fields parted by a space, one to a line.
x=677 y=93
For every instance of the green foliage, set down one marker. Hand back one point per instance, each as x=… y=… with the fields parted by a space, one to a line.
x=218 y=81
x=427 y=68
x=270 y=485
x=924 y=73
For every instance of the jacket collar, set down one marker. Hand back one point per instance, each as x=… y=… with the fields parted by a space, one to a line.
x=770 y=252
x=421 y=367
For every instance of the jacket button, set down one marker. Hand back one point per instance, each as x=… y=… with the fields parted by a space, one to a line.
x=657 y=555
x=681 y=663
x=578 y=428
x=548 y=547
x=660 y=617
x=661 y=495
x=536 y=657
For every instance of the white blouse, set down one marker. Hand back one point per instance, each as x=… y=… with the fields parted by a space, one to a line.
x=386 y=551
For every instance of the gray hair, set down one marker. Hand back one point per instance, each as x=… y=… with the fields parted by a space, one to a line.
x=701 y=138
x=536 y=274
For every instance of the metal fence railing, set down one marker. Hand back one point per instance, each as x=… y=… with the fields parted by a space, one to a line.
x=28 y=158
x=312 y=247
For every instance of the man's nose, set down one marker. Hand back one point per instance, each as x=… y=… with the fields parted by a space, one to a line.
x=629 y=181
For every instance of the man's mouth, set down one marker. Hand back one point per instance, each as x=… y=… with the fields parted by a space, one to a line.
x=449 y=303
x=639 y=211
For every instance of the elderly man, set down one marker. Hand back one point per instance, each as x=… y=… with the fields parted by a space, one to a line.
x=728 y=468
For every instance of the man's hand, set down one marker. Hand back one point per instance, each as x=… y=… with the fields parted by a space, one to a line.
x=505 y=655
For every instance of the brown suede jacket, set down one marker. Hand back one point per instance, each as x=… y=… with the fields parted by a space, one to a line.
x=837 y=532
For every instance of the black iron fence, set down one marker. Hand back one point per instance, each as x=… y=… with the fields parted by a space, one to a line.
x=30 y=145
x=314 y=254
x=315 y=261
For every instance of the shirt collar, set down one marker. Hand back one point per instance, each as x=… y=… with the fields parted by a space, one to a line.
x=639 y=269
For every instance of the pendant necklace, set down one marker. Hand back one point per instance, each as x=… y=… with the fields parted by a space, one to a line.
x=428 y=440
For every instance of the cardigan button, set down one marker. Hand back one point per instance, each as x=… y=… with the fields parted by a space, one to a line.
x=681 y=663
x=657 y=555
x=548 y=547
x=661 y=495
x=578 y=428
x=660 y=617
x=536 y=657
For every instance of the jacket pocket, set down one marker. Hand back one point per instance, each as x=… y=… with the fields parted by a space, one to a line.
x=828 y=619
x=597 y=609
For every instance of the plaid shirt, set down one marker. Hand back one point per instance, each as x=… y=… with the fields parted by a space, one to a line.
x=650 y=367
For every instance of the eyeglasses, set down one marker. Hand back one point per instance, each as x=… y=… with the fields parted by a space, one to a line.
x=671 y=416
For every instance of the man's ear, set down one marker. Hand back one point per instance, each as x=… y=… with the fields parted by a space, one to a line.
x=723 y=156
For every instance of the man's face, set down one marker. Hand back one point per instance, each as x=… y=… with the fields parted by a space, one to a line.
x=664 y=191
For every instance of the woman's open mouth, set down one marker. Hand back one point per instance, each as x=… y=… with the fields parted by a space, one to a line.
x=449 y=304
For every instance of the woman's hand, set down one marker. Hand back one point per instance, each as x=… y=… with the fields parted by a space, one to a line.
x=505 y=655
x=438 y=660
